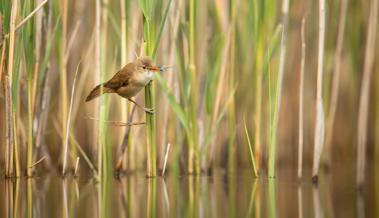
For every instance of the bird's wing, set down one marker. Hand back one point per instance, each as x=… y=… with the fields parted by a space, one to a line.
x=120 y=79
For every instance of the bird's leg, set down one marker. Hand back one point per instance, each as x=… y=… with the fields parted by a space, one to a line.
x=148 y=110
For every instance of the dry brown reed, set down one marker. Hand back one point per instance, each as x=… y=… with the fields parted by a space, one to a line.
x=336 y=81
x=319 y=120
x=301 y=103
x=7 y=91
x=365 y=93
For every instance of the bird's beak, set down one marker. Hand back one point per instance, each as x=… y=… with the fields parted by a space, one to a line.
x=155 y=69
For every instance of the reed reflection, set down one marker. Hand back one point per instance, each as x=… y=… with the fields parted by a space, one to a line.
x=217 y=196
x=318 y=211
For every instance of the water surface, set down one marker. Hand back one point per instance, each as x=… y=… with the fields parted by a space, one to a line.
x=218 y=196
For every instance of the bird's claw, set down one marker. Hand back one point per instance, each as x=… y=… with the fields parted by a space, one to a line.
x=149 y=110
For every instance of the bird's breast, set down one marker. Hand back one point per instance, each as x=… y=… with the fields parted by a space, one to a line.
x=143 y=78
x=136 y=84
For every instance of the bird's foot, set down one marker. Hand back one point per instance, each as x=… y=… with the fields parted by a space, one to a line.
x=149 y=110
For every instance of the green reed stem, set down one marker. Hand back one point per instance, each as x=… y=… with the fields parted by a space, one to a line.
x=150 y=118
x=258 y=101
x=16 y=151
x=251 y=151
x=98 y=75
x=106 y=161
x=28 y=48
x=29 y=159
x=278 y=92
x=146 y=7
x=12 y=103
x=151 y=134
x=193 y=157
x=231 y=86
x=66 y=137
x=124 y=105
x=63 y=70
x=10 y=130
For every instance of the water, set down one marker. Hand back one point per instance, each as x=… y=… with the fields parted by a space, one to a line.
x=189 y=196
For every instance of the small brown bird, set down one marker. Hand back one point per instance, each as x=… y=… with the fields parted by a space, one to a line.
x=128 y=81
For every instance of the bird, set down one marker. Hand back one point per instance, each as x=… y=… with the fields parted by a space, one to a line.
x=129 y=81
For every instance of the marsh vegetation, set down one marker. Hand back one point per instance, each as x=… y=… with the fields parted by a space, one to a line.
x=261 y=100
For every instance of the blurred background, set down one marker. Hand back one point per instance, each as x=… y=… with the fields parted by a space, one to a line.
x=240 y=97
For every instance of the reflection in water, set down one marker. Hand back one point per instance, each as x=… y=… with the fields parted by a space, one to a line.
x=251 y=201
x=151 y=197
x=166 y=201
x=9 y=198
x=64 y=190
x=317 y=202
x=300 y=201
x=231 y=185
x=29 y=193
x=329 y=210
x=219 y=196
x=257 y=201
x=272 y=199
x=360 y=205
x=376 y=188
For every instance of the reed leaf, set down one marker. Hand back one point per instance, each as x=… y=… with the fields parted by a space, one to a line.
x=175 y=106
x=251 y=150
x=161 y=27
x=47 y=55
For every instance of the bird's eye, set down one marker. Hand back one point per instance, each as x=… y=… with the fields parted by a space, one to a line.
x=144 y=67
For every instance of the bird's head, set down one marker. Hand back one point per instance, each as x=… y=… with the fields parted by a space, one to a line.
x=145 y=64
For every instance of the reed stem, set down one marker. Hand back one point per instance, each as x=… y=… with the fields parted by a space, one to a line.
x=301 y=103
x=16 y=150
x=124 y=51
x=66 y=137
x=320 y=122
x=336 y=81
x=231 y=86
x=365 y=93
x=9 y=117
x=278 y=92
x=29 y=160
x=97 y=80
x=63 y=71
x=251 y=151
x=150 y=118
x=193 y=157
x=9 y=103
x=104 y=102
x=30 y=15
x=258 y=102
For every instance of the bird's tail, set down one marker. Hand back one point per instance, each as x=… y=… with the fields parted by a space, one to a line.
x=96 y=92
